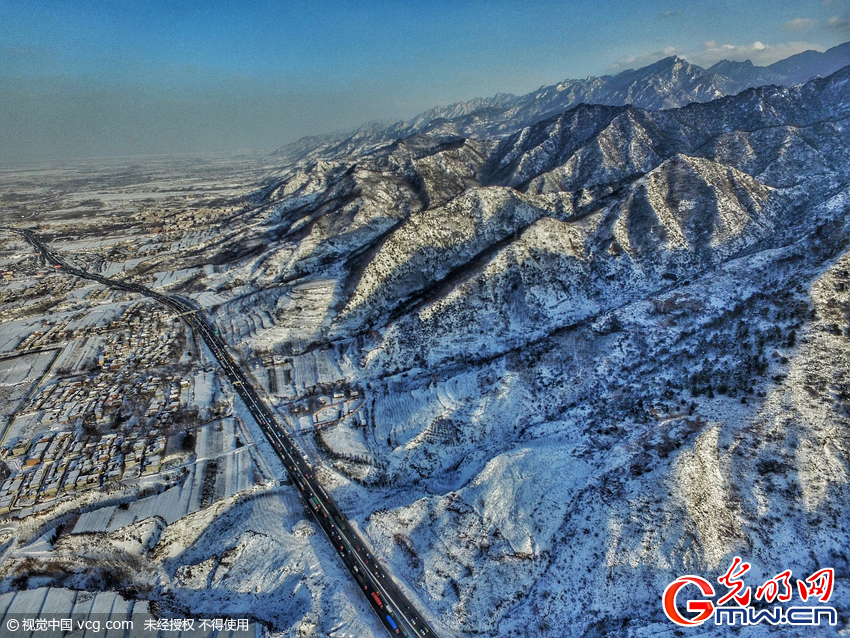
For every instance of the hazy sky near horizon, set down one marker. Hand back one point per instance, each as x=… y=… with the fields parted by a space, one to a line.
x=84 y=78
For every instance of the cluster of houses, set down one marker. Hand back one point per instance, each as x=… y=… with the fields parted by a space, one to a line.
x=97 y=398
x=55 y=333
x=180 y=219
x=137 y=342
x=125 y=390
x=15 y=296
x=135 y=335
x=133 y=344
x=57 y=464
x=317 y=412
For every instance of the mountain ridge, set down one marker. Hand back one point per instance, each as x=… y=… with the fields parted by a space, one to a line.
x=671 y=82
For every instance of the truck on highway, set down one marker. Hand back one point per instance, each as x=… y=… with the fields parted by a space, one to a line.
x=377 y=599
x=360 y=581
x=392 y=623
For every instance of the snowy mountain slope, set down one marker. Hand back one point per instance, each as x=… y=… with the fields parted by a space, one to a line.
x=808 y=64
x=697 y=205
x=428 y=246
x=612 y=437
x=328 y=211
x=593 y=145
x=681 y=218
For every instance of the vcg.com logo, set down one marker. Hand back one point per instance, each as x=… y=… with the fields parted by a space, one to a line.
x=818 y=587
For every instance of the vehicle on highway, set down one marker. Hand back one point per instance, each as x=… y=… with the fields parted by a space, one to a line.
x=392 y=623
x=361 y=582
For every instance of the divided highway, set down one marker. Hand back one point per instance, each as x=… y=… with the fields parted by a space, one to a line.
x=389 y=603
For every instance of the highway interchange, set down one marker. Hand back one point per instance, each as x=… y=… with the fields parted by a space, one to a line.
x=394 y=610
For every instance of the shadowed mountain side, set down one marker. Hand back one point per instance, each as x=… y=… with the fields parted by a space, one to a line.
x=685 y=216
x=432 y=243
x=413 y=217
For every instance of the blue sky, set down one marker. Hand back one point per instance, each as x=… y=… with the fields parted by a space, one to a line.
x=83 y=78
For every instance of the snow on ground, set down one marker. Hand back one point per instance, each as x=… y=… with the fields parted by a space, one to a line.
x=23 y=369
x=487 y=543
x=260 y=555
x=264 y=318
x=27 y=601
x=82 y=292
x=252 y=554
x=208 y=299
x=16 y=331
x=233 y=472
x=24 y=426
x=116 y=269
x=94 y=521
x=403 y=414
x=173 y=277
x=80 y=353
x=402 y=411
x=89 y=245
x=216 y=543
x=19 y=376
x=202 y=389
x=100 y=316
x=346 y=439
x=529 y=512
x=305 y=372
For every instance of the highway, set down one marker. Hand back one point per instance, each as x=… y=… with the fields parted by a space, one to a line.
x=394 y=610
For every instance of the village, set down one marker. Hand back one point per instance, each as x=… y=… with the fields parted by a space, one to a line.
x=106 y=418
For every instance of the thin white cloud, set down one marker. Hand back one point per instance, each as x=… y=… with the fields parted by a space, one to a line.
x=838 y=24
x=800 y=24
x=671 y=14
x=759 y=53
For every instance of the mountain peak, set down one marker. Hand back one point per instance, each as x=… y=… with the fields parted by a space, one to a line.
x=665 y=65
x=806 y=65
x=727 y=65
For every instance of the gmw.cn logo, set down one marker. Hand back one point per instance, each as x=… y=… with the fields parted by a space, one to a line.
x=696 y=592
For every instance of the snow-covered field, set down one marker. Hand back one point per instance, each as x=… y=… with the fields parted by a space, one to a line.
x=18 y=378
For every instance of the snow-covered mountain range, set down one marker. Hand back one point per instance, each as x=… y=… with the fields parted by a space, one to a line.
x=603 y=345
x=668 y=83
